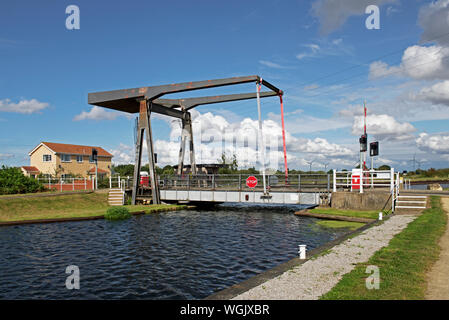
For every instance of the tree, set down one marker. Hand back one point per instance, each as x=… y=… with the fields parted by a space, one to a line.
x=229 y=165
x=123 y=169
x=12 y=181
x=384 y=167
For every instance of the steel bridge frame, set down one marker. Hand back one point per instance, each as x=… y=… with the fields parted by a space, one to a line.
x=146 y=100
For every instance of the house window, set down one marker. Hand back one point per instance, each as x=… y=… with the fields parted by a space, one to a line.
x=46 y=158
x=79 y=159
x=91 y=160
x=66 y=158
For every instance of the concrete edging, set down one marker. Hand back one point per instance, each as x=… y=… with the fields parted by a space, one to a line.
x=306 y=213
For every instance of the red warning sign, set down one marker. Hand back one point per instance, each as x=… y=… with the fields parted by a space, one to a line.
x=251 y=182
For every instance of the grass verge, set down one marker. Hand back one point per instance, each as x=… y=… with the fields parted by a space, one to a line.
x=347 y=213
x=66 y=206
x=340 y=224
x=403 y=264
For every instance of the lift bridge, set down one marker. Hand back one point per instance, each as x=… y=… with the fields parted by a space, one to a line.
x=197 y=187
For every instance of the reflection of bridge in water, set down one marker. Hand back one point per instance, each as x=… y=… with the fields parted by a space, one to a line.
x=300 y=189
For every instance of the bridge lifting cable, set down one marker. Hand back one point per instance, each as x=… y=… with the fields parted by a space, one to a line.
x=283 y=140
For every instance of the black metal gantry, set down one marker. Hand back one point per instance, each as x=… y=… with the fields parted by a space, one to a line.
x=146 y=100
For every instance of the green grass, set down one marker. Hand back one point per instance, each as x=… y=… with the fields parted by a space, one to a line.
x=117 y=213
x=47 y=192
x=403 y=264
x=66 y=206
x=421 y=178
x=347 y=213
x=340 y=224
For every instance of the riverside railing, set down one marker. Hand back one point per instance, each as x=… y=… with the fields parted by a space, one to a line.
x=237 y=182
x=68 y=184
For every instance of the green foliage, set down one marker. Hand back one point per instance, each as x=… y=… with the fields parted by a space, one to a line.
x=230 y=164
x=117 y=213
x=384 y=167
x=12 y=181
x=168 y=170
x=124 y=170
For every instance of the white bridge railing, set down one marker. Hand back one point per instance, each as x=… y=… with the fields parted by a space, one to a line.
x=358 y=181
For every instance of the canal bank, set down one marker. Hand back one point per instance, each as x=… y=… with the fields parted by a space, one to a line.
x=403 y=248
x=64 y=207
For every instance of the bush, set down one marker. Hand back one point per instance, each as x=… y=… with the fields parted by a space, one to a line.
x=12 y=181
x=117 y=213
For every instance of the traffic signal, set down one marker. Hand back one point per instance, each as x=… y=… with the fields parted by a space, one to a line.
x=363 y=143
x=374 y=149
x=94 y=154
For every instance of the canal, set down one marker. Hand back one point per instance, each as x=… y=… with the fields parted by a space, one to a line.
x=175 y=255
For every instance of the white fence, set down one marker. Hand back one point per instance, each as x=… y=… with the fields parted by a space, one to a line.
x=358 y=181
x=118 y=182
x=68 y=184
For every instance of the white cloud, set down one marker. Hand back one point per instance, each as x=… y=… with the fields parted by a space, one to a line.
x=4 y=156
x=97 y=113
x=433 y=18
x=435 y=143
x=383 y=127
x=123 y=154
x=271 y=64
x=379 y=69
x=333 y=14
x=437 y=94
x=418 y=62
x=23 y=106
x=213 y=135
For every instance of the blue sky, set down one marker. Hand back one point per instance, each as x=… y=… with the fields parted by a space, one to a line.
x=321 y=55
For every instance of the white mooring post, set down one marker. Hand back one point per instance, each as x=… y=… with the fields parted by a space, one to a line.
x=302 y=251
x=391 y=179
x=361 y=180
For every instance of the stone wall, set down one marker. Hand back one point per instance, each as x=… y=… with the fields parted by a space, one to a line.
x=369 y=200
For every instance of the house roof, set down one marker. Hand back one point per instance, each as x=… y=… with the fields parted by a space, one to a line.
x=92 y=171
x=30 y=169
x=73 y=149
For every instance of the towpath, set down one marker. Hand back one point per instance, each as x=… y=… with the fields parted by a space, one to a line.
x=317 y=276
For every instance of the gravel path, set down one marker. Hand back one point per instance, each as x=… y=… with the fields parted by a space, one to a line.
x=316 y=277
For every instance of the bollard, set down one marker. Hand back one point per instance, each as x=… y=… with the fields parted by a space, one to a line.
x=380 y=215
x=302 y=251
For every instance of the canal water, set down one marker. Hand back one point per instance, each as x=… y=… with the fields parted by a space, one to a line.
x=424 y=186
x=176 y=255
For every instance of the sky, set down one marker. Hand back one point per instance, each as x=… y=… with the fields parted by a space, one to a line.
x=319 y=52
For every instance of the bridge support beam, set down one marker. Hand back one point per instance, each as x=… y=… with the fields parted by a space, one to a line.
x=187 y=133
x=144 y=124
